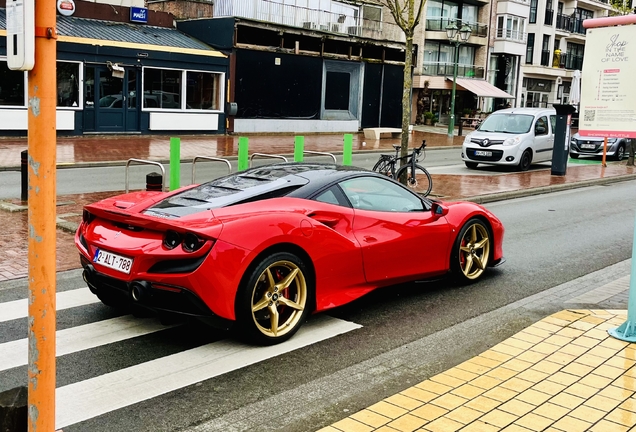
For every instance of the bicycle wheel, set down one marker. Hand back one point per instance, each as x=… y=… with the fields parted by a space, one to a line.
x=383 y=166
x=420 y=180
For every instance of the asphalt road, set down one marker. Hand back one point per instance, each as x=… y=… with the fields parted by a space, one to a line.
x=550 y=239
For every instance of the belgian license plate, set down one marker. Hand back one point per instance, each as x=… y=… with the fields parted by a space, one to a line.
x=483 y=153
x=588 y=146
x=114 y=261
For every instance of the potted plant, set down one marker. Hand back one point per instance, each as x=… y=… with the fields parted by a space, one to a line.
x=434 y=120
x=428 y=117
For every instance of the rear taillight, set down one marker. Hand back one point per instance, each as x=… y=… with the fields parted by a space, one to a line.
x=87 y=217
x=192 y=243
x=172 y=239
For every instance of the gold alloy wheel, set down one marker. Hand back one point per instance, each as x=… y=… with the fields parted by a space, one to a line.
x=474 y=251
x=279 y=298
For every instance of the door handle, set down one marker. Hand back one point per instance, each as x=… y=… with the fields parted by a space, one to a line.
x=370 y=239
x=330 y=221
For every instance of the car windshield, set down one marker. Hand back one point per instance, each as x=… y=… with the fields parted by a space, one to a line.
x=507 y=123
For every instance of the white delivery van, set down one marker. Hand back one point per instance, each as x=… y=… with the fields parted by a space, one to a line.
x=513 y=136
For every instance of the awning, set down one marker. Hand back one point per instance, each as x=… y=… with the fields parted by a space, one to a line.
x=481 y=88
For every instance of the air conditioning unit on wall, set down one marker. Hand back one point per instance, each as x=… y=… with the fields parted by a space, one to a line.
x=309 y=25
x=354 y=30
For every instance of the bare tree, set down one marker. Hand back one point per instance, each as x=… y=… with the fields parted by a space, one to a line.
x=406 y=14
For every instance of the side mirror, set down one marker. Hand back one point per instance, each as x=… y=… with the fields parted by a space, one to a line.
x=439 y=210
x=539 y=130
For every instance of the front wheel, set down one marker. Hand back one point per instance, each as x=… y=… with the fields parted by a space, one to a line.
x=420 y=180
x=275 y=298
x=620 y=152
x=526 y=160
x=471 y=165
x=471 y=251
x=574 y=155
x=383 y=167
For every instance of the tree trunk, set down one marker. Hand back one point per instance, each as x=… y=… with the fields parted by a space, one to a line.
x=406 y=98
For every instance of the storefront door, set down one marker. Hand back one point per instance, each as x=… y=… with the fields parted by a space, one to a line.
x=111 y=104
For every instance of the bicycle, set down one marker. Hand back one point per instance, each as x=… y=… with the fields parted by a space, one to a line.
x=386 y=165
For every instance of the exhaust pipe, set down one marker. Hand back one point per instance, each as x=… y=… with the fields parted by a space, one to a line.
x=89 y=275
x=139 y=290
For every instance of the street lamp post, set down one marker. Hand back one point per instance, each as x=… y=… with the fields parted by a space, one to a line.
x=464 y=33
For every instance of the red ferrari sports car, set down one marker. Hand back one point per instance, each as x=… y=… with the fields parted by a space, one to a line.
x=265 y=247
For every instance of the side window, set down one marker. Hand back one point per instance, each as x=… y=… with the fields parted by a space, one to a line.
x=372 y=193
x=553 y=122
x=328 y=197
x=541 y=126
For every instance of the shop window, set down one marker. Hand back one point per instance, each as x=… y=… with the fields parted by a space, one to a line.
x=337 y=91
x=203 y=91
x=12 y=87
x=68 y=84
x=162 y=88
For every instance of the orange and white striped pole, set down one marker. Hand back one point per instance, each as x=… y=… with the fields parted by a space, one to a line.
x=42 y=197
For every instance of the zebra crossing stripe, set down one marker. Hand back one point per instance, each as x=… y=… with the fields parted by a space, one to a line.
x=63 y=300
x=96 y=396
x=74 y=339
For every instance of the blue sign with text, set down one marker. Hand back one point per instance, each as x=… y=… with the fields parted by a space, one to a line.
x=138 y=14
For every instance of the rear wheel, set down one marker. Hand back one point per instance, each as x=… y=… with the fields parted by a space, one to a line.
x=574 y=155
x=620 y=152
x=383 y=167
x=419 y=179
x=273 y=302
x=471 y=165
x=471 y=251
x=526 y=160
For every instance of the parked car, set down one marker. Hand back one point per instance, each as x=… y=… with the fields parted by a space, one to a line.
x=266 y=247
x=513 y=136
x=617 y=148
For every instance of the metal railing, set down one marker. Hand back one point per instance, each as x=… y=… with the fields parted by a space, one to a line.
x=343 y=19
x=570 y=24
x=211 y=159
x=446 y=69
x=321 y=153
x=440 y=24
x=147 y=162
x=264 y=155
x=511 y=35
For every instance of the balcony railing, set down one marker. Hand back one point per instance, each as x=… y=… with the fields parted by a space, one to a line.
x=545 y=58
x=446 y=69
x=549 y=15
x=440 y=24
x=567 y=61
x=570 y=24
x=345 y=20
x=512 y=35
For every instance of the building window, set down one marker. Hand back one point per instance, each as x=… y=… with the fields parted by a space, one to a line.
x=530 y=48
x=511 y=27
x=545 y=51
x=549 y=13
x=532 y=18
x=12 y=86
x=164 y=89
x=68 y=78
x=337 y=88
x=439 y=60
x=202 y=91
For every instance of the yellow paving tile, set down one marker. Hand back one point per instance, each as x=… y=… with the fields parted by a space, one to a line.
x=534 y=422
x=629 y=371
x=561 y=358
x=575 y=350
x=548 y=367
x=468 y=391
x=350 y=425
x=419 y=394
x=605 y=426
x=625 y=382
x=596 y=333
x=429 y=412
x=590 y=360
x=449 y=401
x=531 y=356
x=569 y=315
x=494 y=355
x=571 y=424
x=464 y=414
x=479 y=426
x=621 y=416
x=443 y=425
x=386 y=429
x=448 y=380
x=577 y=369
x=551 y=411
x=581 y=390
x=533 y=375
x=558 y=340
x=483 y=404
x=586 y=413
x=473 y=367
x=517 y=365
x=486 y=382
x=329 y=429
x=404 y=402
x=614 y=343
x=517 y=342
x=603 y=403
x=529 y=337
x=567 y=400
x=549 y=387
x=515 y=428
x=387 y=409
x=570 y=332
x=434 y=387
x=533 y=397
x=627 y=353
x=563 y=378
x=536 y=331
x=500 y=394
x=507 y=349
x=407 y=423
x=483 y=361
x=617 y=393
x=556 y=321
x=545 y=348
x=498 y=418
x=600 y=351
x=517 y=384
x=370 y=418
x=544 y=325
x=585 y=341
x=501 y=373
x=461 y=374
x=596 y=381
x=517 y=407
x=592 y=320
x=581 y=325
x=629 y=405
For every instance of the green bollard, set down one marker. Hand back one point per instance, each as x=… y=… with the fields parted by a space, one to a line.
x=243 y=162
x=175 y=163
x=299 y=147
x=348 y=149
